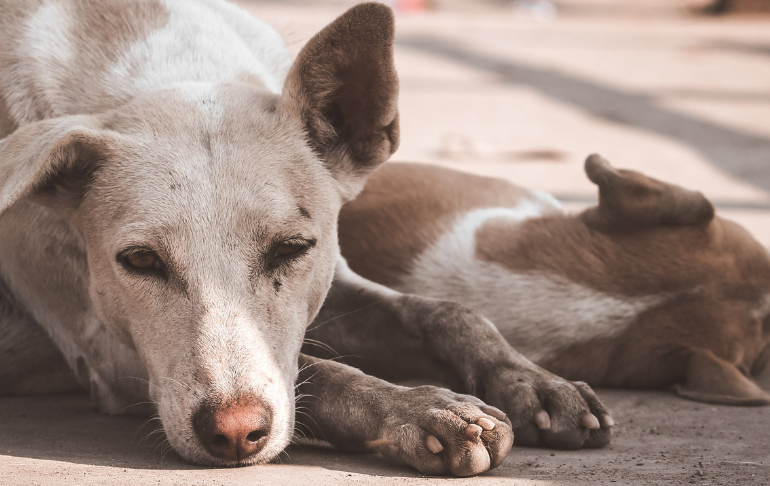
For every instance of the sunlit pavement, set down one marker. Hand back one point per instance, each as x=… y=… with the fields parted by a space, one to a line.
x=490 y=90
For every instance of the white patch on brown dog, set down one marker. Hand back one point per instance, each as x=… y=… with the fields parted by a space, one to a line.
x=541 y=313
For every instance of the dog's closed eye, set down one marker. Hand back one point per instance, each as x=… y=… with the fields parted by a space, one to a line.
x=289 y=249
x=142 y=261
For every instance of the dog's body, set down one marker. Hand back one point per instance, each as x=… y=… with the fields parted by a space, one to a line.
x=648 y=290
x=169 y=188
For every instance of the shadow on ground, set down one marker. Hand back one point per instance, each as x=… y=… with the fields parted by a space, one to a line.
x=659 y=439
x=716 y=143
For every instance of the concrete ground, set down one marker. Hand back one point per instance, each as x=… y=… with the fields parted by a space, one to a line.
x=523 y=94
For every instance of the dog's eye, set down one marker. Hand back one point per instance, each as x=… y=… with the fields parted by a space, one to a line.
x=143 y=260
x=290 y=248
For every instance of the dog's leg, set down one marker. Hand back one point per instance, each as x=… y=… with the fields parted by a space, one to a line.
x=432 y=429
x=29 y=361
x=399 y=337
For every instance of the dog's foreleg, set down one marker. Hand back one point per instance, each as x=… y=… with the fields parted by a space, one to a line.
x=29 y=360
x=398 y=337
x=432 y=429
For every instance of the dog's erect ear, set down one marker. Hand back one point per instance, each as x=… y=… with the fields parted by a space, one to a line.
x=344 y=89
x=51 y=161
x=713 y=380
x=630 y=201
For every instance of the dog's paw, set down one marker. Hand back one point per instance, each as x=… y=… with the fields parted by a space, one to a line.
x=438 y=431
x=546 y=410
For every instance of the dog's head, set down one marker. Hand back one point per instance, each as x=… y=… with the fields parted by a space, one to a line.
x=660 y=238
x=208 y=215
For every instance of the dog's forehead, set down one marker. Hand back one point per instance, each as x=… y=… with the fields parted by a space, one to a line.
x=193 y=156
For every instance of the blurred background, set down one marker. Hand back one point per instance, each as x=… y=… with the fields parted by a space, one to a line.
x=526 y=89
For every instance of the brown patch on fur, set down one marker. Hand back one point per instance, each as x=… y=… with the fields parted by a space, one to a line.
x=78 y=87
x=667 y=242
x=114 y=26
x=655 y=351
x=645 y=237
x=404 y=208
x=649 y=238
x=657 y=260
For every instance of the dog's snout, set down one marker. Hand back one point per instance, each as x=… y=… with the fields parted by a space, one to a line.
x=234 y=430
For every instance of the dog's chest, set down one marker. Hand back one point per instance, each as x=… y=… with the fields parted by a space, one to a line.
x=539 y=313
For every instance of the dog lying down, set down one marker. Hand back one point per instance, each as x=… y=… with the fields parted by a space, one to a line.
x=649 y=289
x=170 y=183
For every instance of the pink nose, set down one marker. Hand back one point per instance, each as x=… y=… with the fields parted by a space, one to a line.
x=234 y=430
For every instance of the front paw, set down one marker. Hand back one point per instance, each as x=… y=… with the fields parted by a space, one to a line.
x=547 y=410
x=438 y=431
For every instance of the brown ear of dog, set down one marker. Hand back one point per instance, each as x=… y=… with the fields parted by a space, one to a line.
x=344 y=89
x=631 y=201
x=711 y=379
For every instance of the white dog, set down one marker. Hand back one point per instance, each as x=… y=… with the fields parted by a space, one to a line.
x=169 y=190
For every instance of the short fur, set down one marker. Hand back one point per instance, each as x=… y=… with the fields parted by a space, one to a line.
x=181 y=129
x=649 y=289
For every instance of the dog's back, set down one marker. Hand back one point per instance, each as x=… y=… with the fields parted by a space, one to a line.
x=646 y=290
x=87 y=56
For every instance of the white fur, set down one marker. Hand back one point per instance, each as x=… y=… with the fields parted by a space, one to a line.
x=45 y=42
x=538 y=314
x=239 y=347
x=181 y=54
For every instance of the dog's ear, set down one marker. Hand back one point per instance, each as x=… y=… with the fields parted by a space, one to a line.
x=343 y=88
x=51 y=161
x=631 y=201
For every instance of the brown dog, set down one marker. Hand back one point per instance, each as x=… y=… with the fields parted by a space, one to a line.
x=647 y=290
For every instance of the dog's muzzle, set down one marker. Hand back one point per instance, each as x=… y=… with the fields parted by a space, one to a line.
x=234 y=430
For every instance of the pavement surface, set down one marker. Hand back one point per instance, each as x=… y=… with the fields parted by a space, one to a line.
x=524 y=94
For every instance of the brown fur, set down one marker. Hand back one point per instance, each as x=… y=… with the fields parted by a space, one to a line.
x=115 y=25
x=417 y=204
x=353 y=129
x=645 y=238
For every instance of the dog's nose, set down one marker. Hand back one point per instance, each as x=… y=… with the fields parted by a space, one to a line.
x=234 y=430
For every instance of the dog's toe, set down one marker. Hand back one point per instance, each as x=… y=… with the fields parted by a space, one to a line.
x=445 y=433
x=547 y=410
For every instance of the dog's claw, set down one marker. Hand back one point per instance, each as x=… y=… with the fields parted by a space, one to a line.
x=590 y=421
x=494 y=412
x=542 y=420
x=485 y=423
x=473 y=432
x=606 y=421
x=433 y=445
x=438 y=431
x=546 y=410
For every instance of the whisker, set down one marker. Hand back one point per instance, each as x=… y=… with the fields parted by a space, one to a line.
x=346 y=314
x=319 y=344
